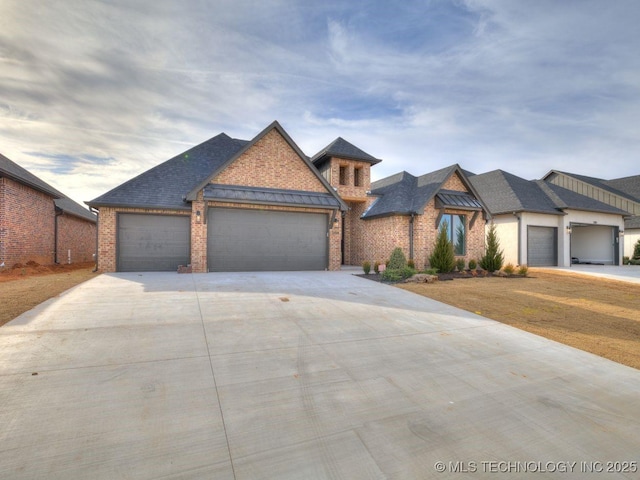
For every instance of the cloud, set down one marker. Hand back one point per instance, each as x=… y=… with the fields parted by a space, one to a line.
x=94 y=87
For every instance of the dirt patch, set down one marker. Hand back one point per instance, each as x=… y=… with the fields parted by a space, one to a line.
x=593 y=314
x=22 y=287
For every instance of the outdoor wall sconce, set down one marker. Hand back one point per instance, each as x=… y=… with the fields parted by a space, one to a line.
x=569 y=229
x=621 y=233
x=198 y=216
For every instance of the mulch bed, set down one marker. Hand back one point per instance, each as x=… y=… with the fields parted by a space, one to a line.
x=376 y=277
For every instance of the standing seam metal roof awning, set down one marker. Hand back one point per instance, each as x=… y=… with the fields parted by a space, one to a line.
x=458 y=200
x=270 y=196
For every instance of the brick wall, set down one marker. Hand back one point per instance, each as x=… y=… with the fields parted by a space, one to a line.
x=26 y=224
x=349 y=191
x=271 y=163
x=107 y=237
x=76 y=235
x=374 y=240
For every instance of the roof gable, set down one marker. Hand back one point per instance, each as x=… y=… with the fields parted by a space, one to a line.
x=404 y=194
x=628 y=185
x=343 y=149
x=611 y=186
x=567 y=199
x=217 y=174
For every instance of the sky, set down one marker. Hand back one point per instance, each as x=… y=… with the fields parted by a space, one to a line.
x=93 y=93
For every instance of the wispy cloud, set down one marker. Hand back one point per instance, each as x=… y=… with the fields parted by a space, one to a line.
x=93 y=87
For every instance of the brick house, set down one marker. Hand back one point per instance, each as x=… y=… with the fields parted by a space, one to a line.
x=40 y=224
x=237 y=205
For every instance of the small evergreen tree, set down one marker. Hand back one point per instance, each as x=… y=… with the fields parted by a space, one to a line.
x=443 y=257
x=636 y=251
x=397 y=261
x=493 y=257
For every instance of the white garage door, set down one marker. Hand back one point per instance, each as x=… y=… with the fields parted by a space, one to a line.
x=542 y=246
x=265 y=240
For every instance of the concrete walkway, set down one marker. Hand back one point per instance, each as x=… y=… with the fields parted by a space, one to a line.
x=297 y=376
x=623 y=273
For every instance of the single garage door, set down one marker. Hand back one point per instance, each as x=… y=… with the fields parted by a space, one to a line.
x=153 y=243
x=264 y=240
x=542 y=246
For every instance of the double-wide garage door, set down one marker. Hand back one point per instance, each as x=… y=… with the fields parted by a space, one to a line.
x=149 y=243
x=265 y=240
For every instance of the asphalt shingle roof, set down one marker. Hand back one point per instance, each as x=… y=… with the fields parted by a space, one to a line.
x=343 y=149
x=14 y=171
x=564 y=198
x=270 y=196
x=404 y=193
x=165 y=185
x=503 y=192
x=627 y=185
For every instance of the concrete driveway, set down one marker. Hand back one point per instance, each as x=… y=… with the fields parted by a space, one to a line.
x=301 y=376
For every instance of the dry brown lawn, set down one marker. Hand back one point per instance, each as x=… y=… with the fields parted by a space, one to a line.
x=25 y=286
x=593 y=314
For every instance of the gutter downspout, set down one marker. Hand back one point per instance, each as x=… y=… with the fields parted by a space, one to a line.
x=93 y=210
x=519 y=238
x=59 y=212
x=413 y=214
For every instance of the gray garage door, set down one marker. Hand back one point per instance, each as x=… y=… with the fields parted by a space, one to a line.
x=152 y=243
x=259 y=240
x=542 y=246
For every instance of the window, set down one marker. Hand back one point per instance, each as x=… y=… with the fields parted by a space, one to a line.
x=357 y=177
x=456 y=231
x=343 y=175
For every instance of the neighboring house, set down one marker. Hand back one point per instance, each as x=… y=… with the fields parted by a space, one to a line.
x=237 y=205
x=542 y=224
x=40 y=224
x=623 y=193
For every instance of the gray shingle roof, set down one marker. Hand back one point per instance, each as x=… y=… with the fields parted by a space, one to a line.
x=403 y=193
x=567 y=199
x=627 y=185
x=612 y=186
x=10 y=169
x=69 y=206
x=343 y=149
x=270 y=196
x=165 y=185
x=503 y=192
x=632 y=222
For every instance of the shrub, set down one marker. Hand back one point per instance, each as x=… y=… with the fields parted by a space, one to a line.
x=636 y=251
x=391 y=276
x=625 y=260
x=411 y=263
x=473 y=264
x=523 y=270
x=493 y=258
x=460 y=264
x=397 y=261
x=395 y=275
x=366 y=266
x=509 y=269
x=431 y=271
x=443 y=257
x=376 y=267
